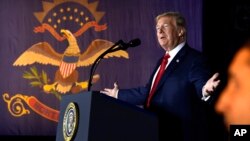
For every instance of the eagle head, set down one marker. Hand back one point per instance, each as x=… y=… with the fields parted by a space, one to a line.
x=73 y=48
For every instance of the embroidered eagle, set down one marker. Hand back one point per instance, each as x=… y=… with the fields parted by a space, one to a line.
x=66 y=76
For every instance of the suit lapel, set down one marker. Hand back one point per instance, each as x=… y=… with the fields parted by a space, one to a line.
x=173 y=64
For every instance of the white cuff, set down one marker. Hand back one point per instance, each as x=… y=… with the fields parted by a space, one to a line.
x=116 y=94
x=205 y=95
x=205 y=98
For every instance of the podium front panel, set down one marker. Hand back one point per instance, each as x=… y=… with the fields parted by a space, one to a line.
x=101 y=117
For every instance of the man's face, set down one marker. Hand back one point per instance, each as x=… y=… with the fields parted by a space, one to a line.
x=234 y=102
x=167 y=33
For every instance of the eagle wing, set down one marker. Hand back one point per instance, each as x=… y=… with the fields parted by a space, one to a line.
x=95 y=49
x=42 y=53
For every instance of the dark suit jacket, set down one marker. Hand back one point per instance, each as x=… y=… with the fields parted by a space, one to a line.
x=177 y=100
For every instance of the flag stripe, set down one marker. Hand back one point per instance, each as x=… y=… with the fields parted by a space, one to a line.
x=67 y=68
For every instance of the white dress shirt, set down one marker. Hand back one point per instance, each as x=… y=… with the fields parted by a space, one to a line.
x=172 y=54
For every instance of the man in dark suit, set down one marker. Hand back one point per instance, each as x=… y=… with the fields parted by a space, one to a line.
x=179 y=97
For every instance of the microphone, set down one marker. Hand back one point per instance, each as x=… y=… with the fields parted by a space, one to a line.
x=132 y=43
x=120 y=45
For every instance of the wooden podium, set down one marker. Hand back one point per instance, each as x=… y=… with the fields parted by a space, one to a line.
x=91 y=116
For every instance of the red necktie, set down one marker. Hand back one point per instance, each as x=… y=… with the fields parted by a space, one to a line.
x=158 y=77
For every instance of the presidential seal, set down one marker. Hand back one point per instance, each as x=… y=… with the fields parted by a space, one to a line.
x=70 y=121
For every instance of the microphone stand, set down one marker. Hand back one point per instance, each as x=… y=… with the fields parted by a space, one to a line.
x=97 y=61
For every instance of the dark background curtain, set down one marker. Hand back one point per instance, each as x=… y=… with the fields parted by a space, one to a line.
x=226 y=26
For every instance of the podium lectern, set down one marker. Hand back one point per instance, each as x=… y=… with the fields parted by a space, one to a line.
x=91 y=116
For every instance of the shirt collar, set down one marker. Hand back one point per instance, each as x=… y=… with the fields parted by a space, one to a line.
x=174 y=51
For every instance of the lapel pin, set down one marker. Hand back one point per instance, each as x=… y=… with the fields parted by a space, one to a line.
x=177 y=60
